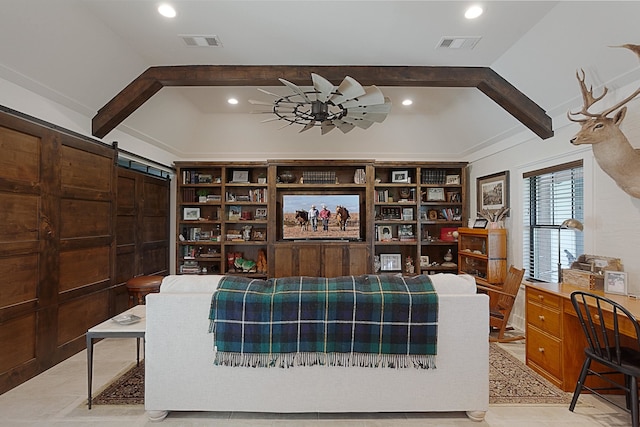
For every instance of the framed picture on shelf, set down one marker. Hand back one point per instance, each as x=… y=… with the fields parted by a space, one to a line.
x=424 y=261
x=407 y=214
x=400 y=176
x=452 y=180
x=235 y=212
x=493 y=192
x=615 y=282
x=435 y=194
x=240 y=176
x=480 y=223
x=261 y=213
x=453 y=197
x=190 y=214
x=258 y=235
x=205 y=179
x=384 y=233
x=390 y=262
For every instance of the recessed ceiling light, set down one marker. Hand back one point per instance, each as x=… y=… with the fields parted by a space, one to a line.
x=407 y=102
x=473 y=12
x=232 y=101
x=167 y=11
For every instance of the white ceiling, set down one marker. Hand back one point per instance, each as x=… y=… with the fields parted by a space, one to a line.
x=81 y=53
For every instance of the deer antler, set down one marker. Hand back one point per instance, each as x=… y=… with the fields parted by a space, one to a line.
x=587 y=99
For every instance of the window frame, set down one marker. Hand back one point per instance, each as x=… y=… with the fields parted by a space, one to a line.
x=540 y=236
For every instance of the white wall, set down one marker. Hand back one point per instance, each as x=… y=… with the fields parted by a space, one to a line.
x=611 y=217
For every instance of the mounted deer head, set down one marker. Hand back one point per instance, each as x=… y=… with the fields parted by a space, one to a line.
x=611 y=148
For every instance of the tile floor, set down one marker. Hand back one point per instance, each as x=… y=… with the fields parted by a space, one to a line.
x=57 y=397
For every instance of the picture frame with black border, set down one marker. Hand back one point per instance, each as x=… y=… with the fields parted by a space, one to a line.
x=191 y=214
x=493 y=192
x=400 y=176
x=615 y=282
x=390 y=262
x=480 y=223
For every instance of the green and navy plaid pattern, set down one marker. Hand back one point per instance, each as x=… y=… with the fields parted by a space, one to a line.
x=354 y=315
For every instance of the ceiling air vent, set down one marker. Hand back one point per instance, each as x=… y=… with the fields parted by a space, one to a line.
x=458 y=42
x=201 y=41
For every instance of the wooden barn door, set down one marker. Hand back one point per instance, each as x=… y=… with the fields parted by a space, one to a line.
x=57 y=210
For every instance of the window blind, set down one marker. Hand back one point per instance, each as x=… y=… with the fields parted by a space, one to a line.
x=551 y=196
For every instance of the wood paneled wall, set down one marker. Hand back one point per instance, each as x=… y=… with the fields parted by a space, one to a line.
x=58 y=221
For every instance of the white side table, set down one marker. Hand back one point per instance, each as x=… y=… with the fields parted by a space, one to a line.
x=111 y=329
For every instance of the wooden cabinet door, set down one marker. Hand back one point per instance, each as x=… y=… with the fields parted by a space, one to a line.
x=318 y=260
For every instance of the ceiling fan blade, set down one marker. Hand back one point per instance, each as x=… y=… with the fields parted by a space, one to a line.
x=373 y=96
x=379 y=108
x=269 y=93
x=323 y=86
x=348 y=89
x=295 y=89
x=256 y=102
x=372 y=117
x=361 y=123
x=308 y=126
x=273 y=119
x=343 y=126
x=326 y=127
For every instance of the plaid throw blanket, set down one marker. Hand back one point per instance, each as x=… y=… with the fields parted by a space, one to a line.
x=368 y=321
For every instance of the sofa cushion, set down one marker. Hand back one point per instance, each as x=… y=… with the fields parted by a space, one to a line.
x=453 y=284
x=190 y=283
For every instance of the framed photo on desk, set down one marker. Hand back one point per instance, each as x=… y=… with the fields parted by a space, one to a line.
x=615 y=282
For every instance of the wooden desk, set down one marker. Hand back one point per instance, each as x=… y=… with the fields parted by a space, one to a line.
x=555 y=341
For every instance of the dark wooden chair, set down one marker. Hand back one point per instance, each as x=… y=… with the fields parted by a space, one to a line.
x=501 y=302
x=619 y=363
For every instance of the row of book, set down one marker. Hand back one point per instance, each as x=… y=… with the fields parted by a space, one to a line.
x=318 y=177
x=196 y=177
x=434 y=176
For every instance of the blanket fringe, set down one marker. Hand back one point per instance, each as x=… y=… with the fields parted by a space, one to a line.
x=289 y=360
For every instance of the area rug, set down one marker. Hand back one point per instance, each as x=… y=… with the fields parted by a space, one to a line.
x=128 y=389
x=510 y=382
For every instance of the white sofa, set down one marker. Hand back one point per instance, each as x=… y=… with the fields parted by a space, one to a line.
x=180 y=375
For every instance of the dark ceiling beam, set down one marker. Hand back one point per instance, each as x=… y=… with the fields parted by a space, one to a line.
x=485 y=79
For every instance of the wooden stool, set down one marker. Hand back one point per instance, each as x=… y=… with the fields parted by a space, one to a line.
x=138 y=287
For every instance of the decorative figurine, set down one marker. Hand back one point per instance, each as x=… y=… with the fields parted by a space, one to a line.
x=246 y=232
x=408 y=266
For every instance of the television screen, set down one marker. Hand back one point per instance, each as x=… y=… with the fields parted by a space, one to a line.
x=343 y=216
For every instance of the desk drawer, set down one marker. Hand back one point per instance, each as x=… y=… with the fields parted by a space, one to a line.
x=544 y=298
x=545 y=351
x=542 y=317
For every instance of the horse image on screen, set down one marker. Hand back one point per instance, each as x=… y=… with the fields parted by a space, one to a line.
x=321 y=216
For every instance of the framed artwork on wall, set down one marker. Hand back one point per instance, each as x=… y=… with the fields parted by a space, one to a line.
x=493 y=192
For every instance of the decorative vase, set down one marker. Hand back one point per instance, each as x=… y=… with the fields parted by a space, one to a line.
x=448 y=256
x=287 y=177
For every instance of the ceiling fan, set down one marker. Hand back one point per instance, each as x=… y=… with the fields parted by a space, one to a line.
x=343 y=107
